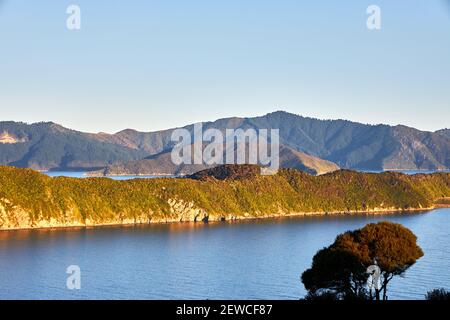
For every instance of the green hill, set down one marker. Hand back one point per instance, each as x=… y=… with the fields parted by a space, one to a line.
x=29 y=199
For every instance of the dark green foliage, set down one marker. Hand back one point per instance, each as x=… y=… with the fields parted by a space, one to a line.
x=438 y=295
x=341 y=267
x=227 y=172
x=322 y=296
x=335 y=271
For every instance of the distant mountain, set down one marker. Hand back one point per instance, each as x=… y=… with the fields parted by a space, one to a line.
x=290 y=158
x=360 y=146
x=158 y=164
x=161 y=164
x=444 y=132
x=348 y=144
x=45 y=146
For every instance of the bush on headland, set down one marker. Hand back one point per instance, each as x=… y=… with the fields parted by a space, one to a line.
x=438 y=294
x=31 y=199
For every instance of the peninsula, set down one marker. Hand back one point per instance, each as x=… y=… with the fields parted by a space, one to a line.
x=29 y=199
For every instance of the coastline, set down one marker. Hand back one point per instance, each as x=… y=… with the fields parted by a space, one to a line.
x=234 y=218
x=31 y=200
x=159 y=175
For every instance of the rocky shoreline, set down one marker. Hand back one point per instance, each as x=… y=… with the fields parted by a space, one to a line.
x=197 y=216
x=31 y=200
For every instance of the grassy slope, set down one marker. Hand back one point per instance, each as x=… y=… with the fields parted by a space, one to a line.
x=102 y=200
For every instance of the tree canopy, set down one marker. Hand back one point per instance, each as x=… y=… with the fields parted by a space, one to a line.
x=342 y=267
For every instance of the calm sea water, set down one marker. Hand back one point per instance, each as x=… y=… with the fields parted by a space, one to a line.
x=81 y=174
x=405 y=171
x=240 y=260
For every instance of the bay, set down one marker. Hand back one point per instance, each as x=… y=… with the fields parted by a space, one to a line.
x=256 y=259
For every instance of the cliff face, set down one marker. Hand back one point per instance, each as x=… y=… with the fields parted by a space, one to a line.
x=29 y=199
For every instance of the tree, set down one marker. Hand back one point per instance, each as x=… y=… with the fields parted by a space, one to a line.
x=335 y=272
x=341 y=267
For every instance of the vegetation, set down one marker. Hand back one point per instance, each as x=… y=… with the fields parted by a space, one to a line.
x=438 y=295
x=31 y=199
x=341 y=269
x=227 y=172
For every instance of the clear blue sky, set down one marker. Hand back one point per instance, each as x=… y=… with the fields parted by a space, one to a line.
x=152 y=65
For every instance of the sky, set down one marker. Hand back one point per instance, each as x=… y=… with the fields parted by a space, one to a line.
x=152 y=65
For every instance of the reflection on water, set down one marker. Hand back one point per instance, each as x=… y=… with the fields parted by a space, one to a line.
x=257 y=259
x=82 y=174
x=405 y=171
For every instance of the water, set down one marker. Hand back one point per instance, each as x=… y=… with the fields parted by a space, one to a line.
x=231 y=260
x=404 y=171
x=81 y=174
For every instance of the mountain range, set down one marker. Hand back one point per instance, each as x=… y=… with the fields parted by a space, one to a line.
x=49 y=146
x=161 y=164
